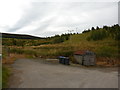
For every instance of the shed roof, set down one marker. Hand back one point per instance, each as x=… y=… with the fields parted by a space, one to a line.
x=80 y=52
x=83 y=52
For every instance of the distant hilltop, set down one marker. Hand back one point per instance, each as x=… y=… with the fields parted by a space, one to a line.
x=20 y=36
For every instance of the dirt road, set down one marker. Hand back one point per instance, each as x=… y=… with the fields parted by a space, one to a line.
x=40 y=74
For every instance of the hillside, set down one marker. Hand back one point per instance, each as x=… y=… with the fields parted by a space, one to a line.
x=103 y=42
x=19 y=36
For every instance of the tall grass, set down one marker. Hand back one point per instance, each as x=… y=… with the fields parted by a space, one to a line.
x=5 y=76
x=16 y=50
x=107 y=47
x=107 y=51
x=0 y=75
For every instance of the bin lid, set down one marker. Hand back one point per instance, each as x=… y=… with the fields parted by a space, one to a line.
x=63 y=57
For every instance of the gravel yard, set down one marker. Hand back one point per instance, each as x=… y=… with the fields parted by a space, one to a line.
x=28 y=73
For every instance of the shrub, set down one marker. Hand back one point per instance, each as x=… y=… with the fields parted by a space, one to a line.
x=117 y=35
x=97 y=35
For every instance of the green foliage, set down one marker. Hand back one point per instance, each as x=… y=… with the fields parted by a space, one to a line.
x=66 y=53
x=107 y=51
x=54 y=50
x=33 y=42
x=5 y=76
x=98 y=35
x=22 y=51
x=31 y=53
x=17 y=50
x=105 y=32
x=57 y=40
x=5 y=51
x=117 y=36
x=0 y=75
x=85 y=31
x=60 y=39
x=97 y=28
x=103 y=41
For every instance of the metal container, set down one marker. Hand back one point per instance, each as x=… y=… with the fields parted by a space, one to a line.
x=85 y=57
x=64 y=60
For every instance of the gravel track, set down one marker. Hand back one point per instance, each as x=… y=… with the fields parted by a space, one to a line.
x=29 y=73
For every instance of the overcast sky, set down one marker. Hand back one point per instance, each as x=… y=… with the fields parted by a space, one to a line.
x=49 y=17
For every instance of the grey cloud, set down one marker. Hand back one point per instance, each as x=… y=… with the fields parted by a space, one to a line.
x=4 y=28
x=64 y=15
x=44 y=25
x=36 y=12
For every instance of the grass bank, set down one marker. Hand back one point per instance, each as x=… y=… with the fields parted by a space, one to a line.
x=103 y=42
x=106 y=50
x=0 y=76
x=5 y=76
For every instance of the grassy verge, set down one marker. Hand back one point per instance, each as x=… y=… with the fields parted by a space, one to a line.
x=5 y=76
x=0 y=76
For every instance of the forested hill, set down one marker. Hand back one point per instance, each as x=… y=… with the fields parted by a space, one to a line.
x=19 y=36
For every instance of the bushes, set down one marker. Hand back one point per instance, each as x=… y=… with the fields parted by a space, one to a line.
x=60 y=39
x=57 y=40
x=117 y=35
x=98 y=35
